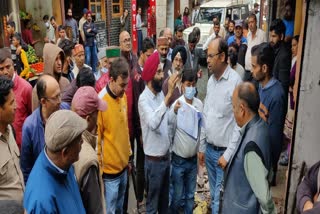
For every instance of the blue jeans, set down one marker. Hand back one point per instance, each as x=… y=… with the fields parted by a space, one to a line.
x=140 y=38
x=184 y=179
x=114 y=193
x=157 y=185
x=92 y=57
x=215 y=175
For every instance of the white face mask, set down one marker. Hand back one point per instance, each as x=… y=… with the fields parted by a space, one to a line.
x=47 y=24
x=104 y=70
x=190 y=92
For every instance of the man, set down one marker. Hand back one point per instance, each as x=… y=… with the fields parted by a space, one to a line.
x=167 y=33
x=79 y=58
x=126 y=49
x=11 y=29
x=256 y=12
x=81 y=22
x=138 y=86
x=192 y=60
x=184 y=148
x=163 y=48
x=240 y=41
x=195 y=13
x=139 y=26
x=178 y=37
x=50 y=33
x=53 y=57
x=22 y=91
x=216 y=29
x=255 y=37
x=11 y=179
x=220 y=135
x=153 y=24
x=112 y=53
x=246 y=178
x=62 y=35
x=153 y=107
x=48 y=92
x=113 y=137
x=86 y=104
x=282 y=62
x=308 y=197
x=179 y=59
x=71 y=22
x=222 y=30
x=230 y=29
x=273 y=104
x=288 y=21
x=52 y=185
x=90 y=33
x=55 y=26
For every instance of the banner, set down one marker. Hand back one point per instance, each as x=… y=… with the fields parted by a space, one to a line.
x=134 y=36
x=152 y=3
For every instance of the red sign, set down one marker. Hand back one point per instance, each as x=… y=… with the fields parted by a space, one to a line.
x=152 y=4
x=133 y=27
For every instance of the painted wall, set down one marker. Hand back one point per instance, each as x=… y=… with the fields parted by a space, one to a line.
x=170 y=14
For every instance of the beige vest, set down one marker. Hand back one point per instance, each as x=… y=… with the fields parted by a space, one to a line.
x=11 y=178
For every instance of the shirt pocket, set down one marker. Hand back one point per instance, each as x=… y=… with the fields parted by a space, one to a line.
x=224 y=107
x=4 y=167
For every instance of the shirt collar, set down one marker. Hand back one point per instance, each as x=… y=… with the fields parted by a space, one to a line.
x=6 y=134
x=271 y=82
x=52 y=164
x=226 y=73
x=151 y=94
x=110 y=92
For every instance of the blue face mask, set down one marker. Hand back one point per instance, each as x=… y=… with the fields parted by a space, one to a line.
x=189 y=92
x=104 y=70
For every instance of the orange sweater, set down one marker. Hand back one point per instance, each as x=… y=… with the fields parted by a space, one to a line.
x=113 y=135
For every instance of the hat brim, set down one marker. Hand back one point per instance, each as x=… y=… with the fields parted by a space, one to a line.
x=102 y=105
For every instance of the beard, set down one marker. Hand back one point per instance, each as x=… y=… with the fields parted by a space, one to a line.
x=157 y=85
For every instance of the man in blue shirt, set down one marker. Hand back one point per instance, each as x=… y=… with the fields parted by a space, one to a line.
x=49 y=96
x=52 y=185
x=289 y=22
x=272 y=98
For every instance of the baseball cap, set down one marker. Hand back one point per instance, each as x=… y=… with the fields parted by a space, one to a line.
x=86 y=101
x=239 y=23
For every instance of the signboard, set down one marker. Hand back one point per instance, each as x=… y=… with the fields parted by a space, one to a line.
x=133 y=27
x=102 y=34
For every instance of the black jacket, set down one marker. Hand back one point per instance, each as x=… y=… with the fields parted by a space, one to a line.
x=90 y=36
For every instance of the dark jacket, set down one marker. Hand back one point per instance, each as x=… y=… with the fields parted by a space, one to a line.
x=195 y=60
x=282 y=66
x=307 y=189
x=90 y=36
x=238 y=195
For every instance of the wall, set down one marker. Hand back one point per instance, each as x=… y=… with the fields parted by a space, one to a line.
x=161 y=13
x=170 y=14
x=307 y=135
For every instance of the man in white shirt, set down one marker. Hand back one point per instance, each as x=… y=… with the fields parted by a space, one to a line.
x=219 y=139
x=153 y=110
x=255 y=36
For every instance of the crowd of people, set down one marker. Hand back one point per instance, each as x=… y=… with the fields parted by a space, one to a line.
x=69 y=144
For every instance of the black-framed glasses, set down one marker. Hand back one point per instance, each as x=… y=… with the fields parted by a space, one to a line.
x=213 y=55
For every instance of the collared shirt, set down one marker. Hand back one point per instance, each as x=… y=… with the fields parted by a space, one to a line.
x=139 y=22
x=154 y=123
x=52 y=164
x=184 y=145
x=220 y=126
x=232 y=39
x=259 y=38
x=11 y=178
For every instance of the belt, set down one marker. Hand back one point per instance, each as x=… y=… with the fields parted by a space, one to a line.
x=217 y=148
x=112 y=176
x=157 y=158
x=187 y=159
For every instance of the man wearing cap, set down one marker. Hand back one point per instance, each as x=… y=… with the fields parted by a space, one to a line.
x=81 y=22
x=138 y=85
x=52 y=185
x=163 y=48
x=153 y=107
x=167 y=33
x=103 y=64
x=113 y=136
x=112 y=53
x=11 y=179
x=179 y=59
x=33 y=128
x=79 y=57
x=90 y=32
x=86 y=104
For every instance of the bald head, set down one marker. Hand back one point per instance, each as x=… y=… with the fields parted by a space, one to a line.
x=125 y=41
x=247 y=93
x=46 y=83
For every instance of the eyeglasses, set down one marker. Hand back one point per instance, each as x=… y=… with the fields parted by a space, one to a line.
x=213 y=55
x=54 y=99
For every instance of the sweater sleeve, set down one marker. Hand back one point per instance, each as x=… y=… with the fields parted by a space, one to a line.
x=25 y=72
x=26 y=160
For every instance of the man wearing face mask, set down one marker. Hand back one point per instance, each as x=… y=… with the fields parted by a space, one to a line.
x=50 y=36
x=153 y=111
x=184 y=148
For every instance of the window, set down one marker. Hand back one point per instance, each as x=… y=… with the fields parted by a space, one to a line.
x=117 y=9
x=97 y=8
